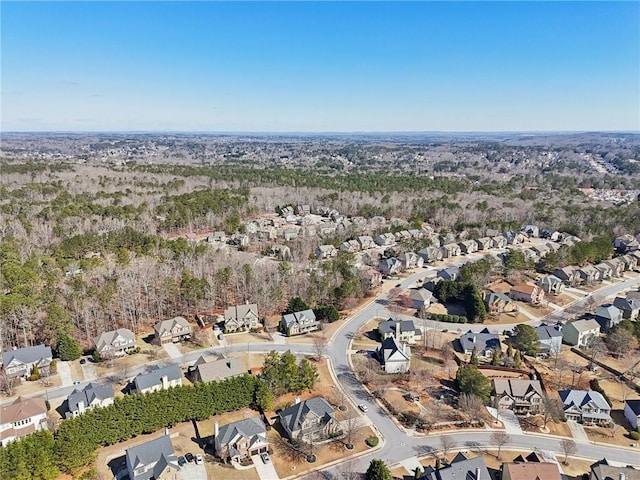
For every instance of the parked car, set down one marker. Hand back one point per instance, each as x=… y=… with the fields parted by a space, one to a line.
x=363 y=407
x=198 y=459
x=181 y=461
x=83 y=361
x=189 y=456
x=265 y=457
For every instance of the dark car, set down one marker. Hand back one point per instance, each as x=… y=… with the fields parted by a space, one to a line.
x=83 y=361
x=181 y=461
x=399 y=285
x=189 y=456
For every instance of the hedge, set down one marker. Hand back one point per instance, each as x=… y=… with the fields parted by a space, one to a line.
x=448 y=318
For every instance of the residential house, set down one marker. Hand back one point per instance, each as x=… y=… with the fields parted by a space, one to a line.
x=303 y=210
x=567 y=239
x=499 y=241
x=531 y=231
x=217 y=237
x=617 y=267
x=394 y=357
x=632 y=413
x=603 y=471
x=630 y=306
x=521 y=396
x=290 y=233
x=626 y=243
x=541 y=250
x=371 y=258
x=326 y=251
x=514 y=238
x=431 y=254
x=299 y=322
x=286 y=211
x=154 y=459
x=372 y=278
x=530 y=255
x=390 y=266
x=497 y=302
x=173 y=330
x=410 y=260
x=608 y=316
x=241 y=317
x=267 y=233
x=468 y=246
x=585 y=406
x=588 y=274
x=460 y=468
x=241 y=439
x=115 y=342
x=531 y=471
x=450 y=273
x=483 y=342
x=403 y=330
x=351 y=246
x=311 y=420
x=484 y=243
x=415 y=233
x=366 y=242
x=240 y=240
x=385 y=239
x=420 y=298
x=580 y=332
x=281 y=252
x=402 y=236
x=550 y=234
x=161 y=378
x=251 y=228
x=450 y=250
x=630 y=262
x=527 y=293
x=568 y=275
x=22 y=417
x=550 y=338
x=550 y=284
x=604 y=271
x=19 y=363
x=215 y=370
x=91 y=396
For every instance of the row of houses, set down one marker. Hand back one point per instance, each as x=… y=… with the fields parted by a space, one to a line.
x=606 y=270
x=610 y=314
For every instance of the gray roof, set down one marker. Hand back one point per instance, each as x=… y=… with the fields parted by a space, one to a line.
x=294 y=416
x=249 y=427
x=580 y=398
x=634 y=405
x=88 y=394
x=628 y=304
x=609 y=311
x=515 y=387
x=240 y=311
x=391 y=350
x=161 y=327
x=389 y=326
x=461 y=468
x=546 y=332
x=107 y=338
x=27 y=355
x=584 y=325
x=603 y=471
x=159 y=451
x=483 y=340
x=421 y=294
x=296 y=317
x=146 y=380
x=219 y=369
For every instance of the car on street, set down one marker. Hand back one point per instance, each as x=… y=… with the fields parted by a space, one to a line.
x=265 y=457
x=189 y=456
x=181 y=461
x=83 y=361
x=363 y=407
x=399 y=285
x=76 y=382
x=198 y=459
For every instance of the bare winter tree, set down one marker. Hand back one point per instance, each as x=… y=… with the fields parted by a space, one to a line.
x=500 y=439
x=350 y=427
x=320 y=343
x=447 y=444
x=7 y=383
x=568 y=447
x=551 y=409
x=471 y=405
x=595 y=347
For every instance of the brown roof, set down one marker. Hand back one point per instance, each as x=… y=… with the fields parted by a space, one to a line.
x=531 y=471
x=524 y=288
x=22 y=409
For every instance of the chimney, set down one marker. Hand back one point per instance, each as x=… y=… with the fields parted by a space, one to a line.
x=166 y=431
x=478 y=473
x=296 y=400
x=216 y=429
x=81 y=407
x=165 y=382
x=397 y=330
x=473 y=339
x=622 y=476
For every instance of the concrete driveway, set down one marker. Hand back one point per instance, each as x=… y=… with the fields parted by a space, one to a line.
x=172 y=350
x=191 y=471
x=577 y=432
x=64 y=370
x=266 y=471
x=89 y=371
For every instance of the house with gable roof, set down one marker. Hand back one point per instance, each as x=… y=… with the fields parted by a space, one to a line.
x=483 y=342
x=173 y=330
x=550 y=284
x=602 y=470
x=460 y=468
x=629 y=306
x=394 y=357
x=215 y=370
x=527 y=293
x=115 y=342
x=580 y=332
x=19 y=363
x=237 y=440
x=608 y=316
x=497 y=302
x=310 y=420
x=22 y=417
x=586 y=406
x=520 y=396
x=632 y=412
x=91 y=396
x=241 y=317
x=154 y=459
x=298 y=323
x=550 y=338
x=157 y=379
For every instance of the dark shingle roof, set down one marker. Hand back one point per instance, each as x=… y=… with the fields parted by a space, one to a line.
x=88 y=395
x=295 y=415
x=248 y=427
x=146 y=380
x=27 y=355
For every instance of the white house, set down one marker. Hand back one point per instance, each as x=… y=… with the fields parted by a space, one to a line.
x=580 y=332
x=22 y=417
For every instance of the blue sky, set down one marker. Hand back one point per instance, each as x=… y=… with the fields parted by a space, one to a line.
x=283 y=67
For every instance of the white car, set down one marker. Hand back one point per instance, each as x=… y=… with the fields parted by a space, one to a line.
x=198 y=459
x=363 y=407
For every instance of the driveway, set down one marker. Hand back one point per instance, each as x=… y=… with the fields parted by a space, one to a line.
x=577 y=432
x=191 y=471
x=89 y=371
x=510 y=422
x=172 y=350
x=266 y=471
x=64 y=370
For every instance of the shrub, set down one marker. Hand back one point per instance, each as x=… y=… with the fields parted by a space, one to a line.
x=634 y=435
x=595 y=385
x=372 y=441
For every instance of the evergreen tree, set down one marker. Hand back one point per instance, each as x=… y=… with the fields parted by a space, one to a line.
x=378 y=470
x=526 y=339
x=68 y=348
x=474 y=357
x=517 y=359
x=296 y=304
x=471 y=380
x=264 y=396
x=495 y=360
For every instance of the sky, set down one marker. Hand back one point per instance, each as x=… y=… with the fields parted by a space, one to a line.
x=320 y=67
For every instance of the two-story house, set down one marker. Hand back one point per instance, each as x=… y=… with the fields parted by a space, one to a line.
x=483 y=342
x=460 y=468
x=410 y=260
x=568 y=275
x=450 y=250
x=154 y=459
x=431 y=254
x=468 y=246
x=215 y=370
x=629 y=306
x=550 y=284
x=298 y=323
x=326 y=251
x=586 y=406
x=366 y=242
x=602 y=470
x=159 y=379
x=19 y=363
x=403 y=330
x=237 y=440
x=608 y=316
x=390 y=266
x=241 y=317
x=420 y=298
x=497 y=302
x=550 y=338
x=588 y=274
x=22 y=417
x=527 y=293
x=91 y=396
x=521 y=396
x=172 y=330
x=115 y=342
x=311 y=420
x=632 y=413
x=394 y=357
x=580 y=332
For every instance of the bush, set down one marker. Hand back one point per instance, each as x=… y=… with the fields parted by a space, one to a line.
x=634 y=435
x=595 y=385
x=372 y=441
x=447 y=318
